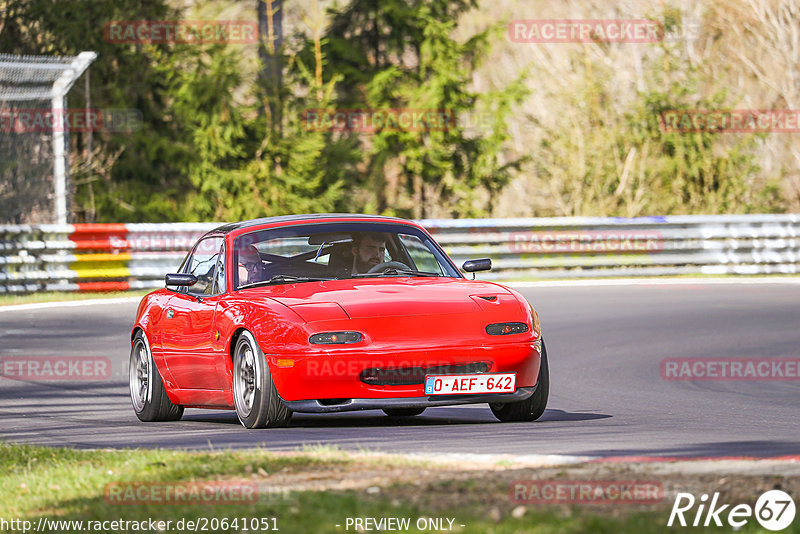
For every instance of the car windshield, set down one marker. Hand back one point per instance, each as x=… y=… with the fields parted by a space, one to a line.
x=329 y=251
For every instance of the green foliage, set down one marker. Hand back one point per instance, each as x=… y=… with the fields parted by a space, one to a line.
x=244 y=164
x=215 y=145
x=694 y=172
x=401 y=55
x=605 y=161
x=132 y=177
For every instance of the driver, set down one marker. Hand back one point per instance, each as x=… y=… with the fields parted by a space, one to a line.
x=369 y=249
x=251 y=269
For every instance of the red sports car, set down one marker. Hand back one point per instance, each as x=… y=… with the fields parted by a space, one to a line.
x=330 y=313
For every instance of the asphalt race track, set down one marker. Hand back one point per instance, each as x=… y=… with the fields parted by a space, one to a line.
x=607 y=396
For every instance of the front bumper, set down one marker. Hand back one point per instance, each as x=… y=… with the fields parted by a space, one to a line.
x=351 y=405
x=337 y=373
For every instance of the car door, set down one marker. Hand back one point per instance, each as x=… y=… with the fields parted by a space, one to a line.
x=190 y=344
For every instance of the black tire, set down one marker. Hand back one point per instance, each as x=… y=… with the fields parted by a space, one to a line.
x=148 y=396
x=531 y=408
x=403 y=412
x=257 y=402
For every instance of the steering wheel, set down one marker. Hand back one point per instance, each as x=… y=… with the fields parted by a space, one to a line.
x=385 y=266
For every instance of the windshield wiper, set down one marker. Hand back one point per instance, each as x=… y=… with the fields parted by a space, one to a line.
x=285 y=279
x=396 y=272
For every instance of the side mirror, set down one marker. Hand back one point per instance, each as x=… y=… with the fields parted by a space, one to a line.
x=180 y=279
x=483 y=264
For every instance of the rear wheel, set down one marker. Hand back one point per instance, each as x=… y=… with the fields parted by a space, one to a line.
x=531 y=408
x=148 y=396
x=403 y=412
x=257 y=402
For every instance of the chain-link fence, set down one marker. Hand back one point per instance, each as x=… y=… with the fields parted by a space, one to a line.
x=34 y=133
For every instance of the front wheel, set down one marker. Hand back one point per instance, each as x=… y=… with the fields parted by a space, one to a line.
x=257 y=402
x=531 y=408
x=148 y=396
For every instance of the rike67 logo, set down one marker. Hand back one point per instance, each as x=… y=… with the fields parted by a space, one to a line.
x=774 y=510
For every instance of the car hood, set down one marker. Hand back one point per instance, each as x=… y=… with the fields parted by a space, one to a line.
x=395 y=297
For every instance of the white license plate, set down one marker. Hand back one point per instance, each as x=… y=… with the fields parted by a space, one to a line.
x=461 y=384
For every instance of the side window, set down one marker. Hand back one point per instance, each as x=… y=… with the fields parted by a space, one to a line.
x=219 y=282
x=422 y=256
x=203 y=264
x=184 y=268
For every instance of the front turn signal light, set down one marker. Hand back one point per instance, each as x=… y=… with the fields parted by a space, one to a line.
x=335 y=338
x=504 y=329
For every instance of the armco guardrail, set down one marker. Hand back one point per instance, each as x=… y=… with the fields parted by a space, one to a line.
x=571 y=247
x=91 y=257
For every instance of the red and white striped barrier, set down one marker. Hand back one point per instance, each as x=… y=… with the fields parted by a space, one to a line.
x=92 y=257
x=97 y=257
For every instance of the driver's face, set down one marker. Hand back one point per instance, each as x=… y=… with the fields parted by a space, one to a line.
x=369 y=253
x=248 y=258
x=251 y=262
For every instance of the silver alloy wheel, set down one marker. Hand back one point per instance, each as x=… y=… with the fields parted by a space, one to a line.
x=140 y=375
x=245 y=377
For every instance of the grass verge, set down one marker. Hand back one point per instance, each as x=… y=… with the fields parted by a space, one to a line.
x=72 y=485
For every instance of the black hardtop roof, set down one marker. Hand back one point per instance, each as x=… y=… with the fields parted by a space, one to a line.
x=230 y=227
